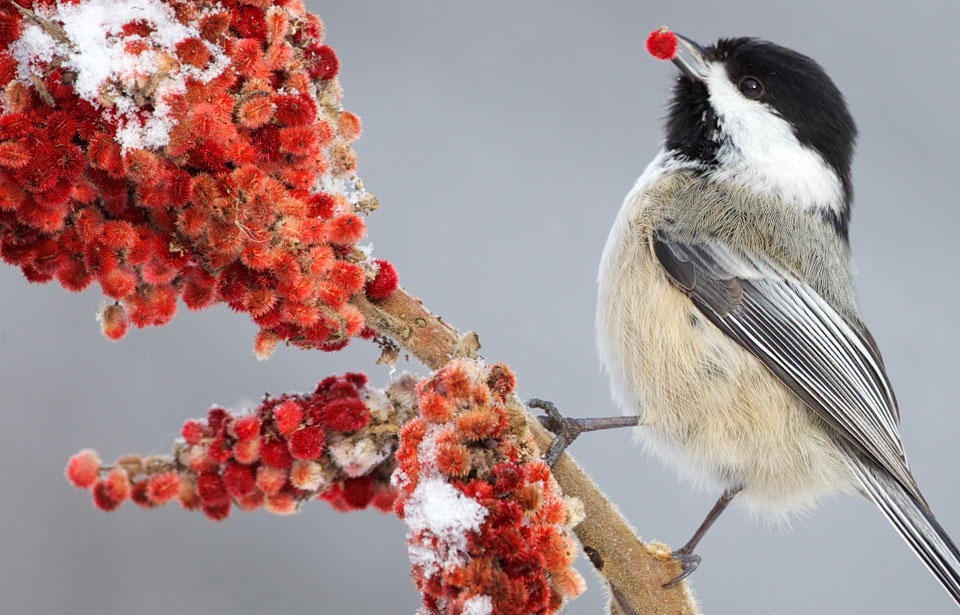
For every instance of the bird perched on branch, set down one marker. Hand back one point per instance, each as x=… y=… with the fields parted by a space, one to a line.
x=727 y=315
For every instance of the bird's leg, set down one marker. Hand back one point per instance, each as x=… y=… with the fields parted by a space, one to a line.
x=685 y=555
x=566 y=430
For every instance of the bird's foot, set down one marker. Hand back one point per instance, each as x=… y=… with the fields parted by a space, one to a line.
x=689 y=562
x=566 y=430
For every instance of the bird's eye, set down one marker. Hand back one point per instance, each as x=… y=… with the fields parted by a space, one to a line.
x=751 y=88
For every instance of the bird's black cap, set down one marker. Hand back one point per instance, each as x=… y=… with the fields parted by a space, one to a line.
x=793 y=85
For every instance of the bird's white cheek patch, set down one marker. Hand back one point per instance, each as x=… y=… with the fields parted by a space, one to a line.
x=761 y=150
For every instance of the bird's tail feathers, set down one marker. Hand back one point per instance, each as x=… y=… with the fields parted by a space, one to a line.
x=913 y=520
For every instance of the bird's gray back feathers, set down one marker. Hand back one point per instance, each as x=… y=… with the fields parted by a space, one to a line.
x=799 y=240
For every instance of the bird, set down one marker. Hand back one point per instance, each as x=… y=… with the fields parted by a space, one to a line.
x=727 y=319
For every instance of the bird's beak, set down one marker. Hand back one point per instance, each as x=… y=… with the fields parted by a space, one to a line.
x=697 y=69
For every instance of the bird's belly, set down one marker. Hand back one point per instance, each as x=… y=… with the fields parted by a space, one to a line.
x=708 y=406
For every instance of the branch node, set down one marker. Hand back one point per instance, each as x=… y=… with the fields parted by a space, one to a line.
x=467 y=346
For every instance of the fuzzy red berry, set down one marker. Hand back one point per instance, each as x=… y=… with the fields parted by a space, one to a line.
x=358 y=492
x=384 y=283
x=192 y=431
x=294 y=109
x=102 y=497
x=278 y=24
x=9 y=27
x=453 y=460
x=349 y=126
x=270 y=480
x=113 y=321
x=252 y=500
x=265 y=343
x=211 y=489
x=246 y=427
x=249 y=22
x=306 y=475
x=322 y=205
x=188 y=496
x=347 y=276
x=83 y=469
x=161 y=488
x=219 y=449
x=255 y=112
x=662 y=44
x=346 y=229
x=345 y=414
x=118 y=284
x=238 y=479
x=213 y=25
x=358 y=380
x=118 y=484
x=501 y=381
x=478 y=424
x=384 y=497
x=247 y=451
x=287 y=416
x=193 y=51
x=138 y=494
x=217 y=419
x=507 y=477
x=323 y=62
x=307 y=443
x=218 y=511
x=281 y=504
x=434 y=407
x=274 y=453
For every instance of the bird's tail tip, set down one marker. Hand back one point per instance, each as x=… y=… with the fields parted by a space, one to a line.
x=914 y=522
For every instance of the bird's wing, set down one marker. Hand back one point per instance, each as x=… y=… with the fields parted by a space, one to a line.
x=798 y=335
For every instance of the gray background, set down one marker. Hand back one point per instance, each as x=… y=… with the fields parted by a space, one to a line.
x=501 y=137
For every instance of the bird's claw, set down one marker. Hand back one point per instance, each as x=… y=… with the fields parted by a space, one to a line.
x=565 y=430
x=689 y=562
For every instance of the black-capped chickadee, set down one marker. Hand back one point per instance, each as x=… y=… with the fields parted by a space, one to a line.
x=727 y=315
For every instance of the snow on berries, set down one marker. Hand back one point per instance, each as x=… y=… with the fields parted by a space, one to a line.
x=487 y=524
x=185 y=150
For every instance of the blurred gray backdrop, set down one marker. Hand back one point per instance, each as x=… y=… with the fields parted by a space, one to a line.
x=500 y=137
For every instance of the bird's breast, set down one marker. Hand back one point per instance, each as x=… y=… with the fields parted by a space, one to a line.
x=708 y=406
